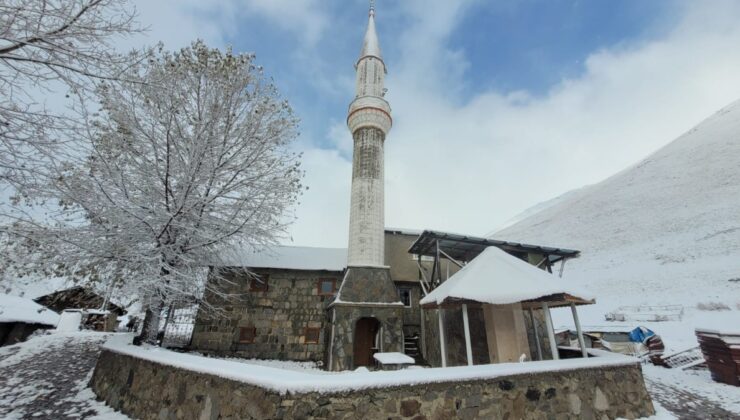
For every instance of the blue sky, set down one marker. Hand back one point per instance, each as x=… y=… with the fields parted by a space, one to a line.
x=498 y=105
x=506 y=46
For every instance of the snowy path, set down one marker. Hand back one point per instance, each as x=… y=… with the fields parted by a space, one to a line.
x=46 y=378
x=685 y=405
x=692 y=394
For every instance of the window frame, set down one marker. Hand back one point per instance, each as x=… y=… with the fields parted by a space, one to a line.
x=241 y=339
x=320 y=281
x=317 y=330
x=407 y=288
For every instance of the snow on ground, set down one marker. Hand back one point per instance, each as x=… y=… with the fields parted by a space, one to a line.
x=278 y=364
x=697 y=382
x=46 y=377
x=660 y=413
x=665 y=231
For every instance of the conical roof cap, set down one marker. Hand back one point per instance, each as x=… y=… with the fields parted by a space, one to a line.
x=371 y=46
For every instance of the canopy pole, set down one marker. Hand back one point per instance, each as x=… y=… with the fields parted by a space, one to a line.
x=562 y=267
x=579 y=331
x=457 y=263
x=466 y=325
x=550 y=331
x=536 y=334
x=442 y=350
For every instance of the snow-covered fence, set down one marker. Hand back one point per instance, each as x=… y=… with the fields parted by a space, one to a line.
x=645 y=313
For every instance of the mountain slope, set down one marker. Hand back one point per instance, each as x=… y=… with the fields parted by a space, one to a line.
x=664 y=231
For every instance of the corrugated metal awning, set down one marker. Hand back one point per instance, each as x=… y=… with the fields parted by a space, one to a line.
x=464 y=248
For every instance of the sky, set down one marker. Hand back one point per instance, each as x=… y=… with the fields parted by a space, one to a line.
x=497 y=105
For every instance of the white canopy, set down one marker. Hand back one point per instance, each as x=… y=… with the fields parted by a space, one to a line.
x=497 y=277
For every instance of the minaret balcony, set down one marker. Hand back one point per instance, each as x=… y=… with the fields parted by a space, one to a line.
x=369 y=111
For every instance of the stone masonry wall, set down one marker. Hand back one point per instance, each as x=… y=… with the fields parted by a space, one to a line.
x=279 y=315
x=391 y=322
x=126 y=383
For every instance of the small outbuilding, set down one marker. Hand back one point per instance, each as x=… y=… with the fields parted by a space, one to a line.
x=20 y=317
x=78 y=297
x=89 y=303
x=505 y=288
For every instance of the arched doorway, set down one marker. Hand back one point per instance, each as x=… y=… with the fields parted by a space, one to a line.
x=364 y=341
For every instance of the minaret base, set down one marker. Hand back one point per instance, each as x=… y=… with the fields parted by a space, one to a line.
x=366 y=318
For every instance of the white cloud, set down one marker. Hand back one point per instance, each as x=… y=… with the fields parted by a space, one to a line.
x=178 y=22
x=323 y=213
x=468 y=167
x=302 y=17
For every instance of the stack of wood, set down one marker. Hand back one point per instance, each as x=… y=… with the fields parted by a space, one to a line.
x=721 y=350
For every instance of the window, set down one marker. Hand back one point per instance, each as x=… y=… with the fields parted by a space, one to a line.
x=405 y=294
x=247 y=334
x=327 y=287
x=424 y=258
x=259 y=283
x=312 y=335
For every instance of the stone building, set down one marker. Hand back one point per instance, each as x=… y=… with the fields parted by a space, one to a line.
x=340 y=306
x=279 y=302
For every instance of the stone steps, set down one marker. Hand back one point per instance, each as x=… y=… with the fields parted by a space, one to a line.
x=411 y=348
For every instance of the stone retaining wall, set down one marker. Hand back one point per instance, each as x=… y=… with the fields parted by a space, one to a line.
x=149 y=390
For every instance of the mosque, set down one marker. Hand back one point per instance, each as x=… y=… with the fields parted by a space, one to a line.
x=388 y=291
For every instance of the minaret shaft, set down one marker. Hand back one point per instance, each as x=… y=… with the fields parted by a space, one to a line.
x=369 y=121
x=366 y=244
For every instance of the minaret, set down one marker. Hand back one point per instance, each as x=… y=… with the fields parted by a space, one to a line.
x=369 y=121
x=367 y=314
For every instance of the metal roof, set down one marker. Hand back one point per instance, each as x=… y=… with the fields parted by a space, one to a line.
x=464 y=248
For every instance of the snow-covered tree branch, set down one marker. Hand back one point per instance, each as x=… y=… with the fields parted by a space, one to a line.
x=190 y=153
x=47 y=45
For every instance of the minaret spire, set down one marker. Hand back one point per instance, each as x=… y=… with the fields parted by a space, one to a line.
x=370 y=45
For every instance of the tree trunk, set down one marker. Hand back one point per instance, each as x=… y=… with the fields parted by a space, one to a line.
x=150 y=327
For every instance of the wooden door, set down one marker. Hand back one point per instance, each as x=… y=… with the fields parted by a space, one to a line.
x=364 y=341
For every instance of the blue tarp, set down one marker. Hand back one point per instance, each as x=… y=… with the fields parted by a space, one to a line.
x=640 y=334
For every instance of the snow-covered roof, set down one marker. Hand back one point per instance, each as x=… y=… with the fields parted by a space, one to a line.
x=18 y=309
x=497 y=277
x=33 y=286
x=286 y=257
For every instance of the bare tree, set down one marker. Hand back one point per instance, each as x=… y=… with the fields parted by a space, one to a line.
x=46 y=45
x=189 y=153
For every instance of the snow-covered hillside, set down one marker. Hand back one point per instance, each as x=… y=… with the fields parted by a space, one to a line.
x=664 y=231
